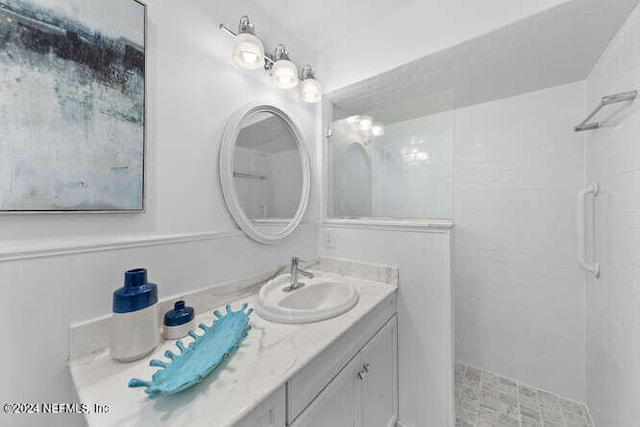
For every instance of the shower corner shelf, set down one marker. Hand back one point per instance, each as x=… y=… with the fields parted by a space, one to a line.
x=604 y=102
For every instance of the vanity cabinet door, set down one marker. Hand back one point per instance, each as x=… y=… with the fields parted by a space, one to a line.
x=379 y=379
x=270 y=413
x=338 y=404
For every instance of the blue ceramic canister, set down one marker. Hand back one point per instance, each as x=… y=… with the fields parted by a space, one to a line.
x=135 y=331
x=178 y=321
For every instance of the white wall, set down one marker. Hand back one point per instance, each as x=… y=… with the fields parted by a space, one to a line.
x=424 y=312
x=192 y=88
x=519 y=292
x=613 y=301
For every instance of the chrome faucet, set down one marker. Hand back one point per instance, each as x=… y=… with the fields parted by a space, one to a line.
x=295 y=270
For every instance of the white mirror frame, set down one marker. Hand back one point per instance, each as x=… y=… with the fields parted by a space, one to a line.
x=226 y=157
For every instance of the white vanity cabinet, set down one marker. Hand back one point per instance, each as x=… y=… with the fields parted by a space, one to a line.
x=364 y=393
x=378 y=376
x=270 y=413
x=338 y=404
x=352 y=383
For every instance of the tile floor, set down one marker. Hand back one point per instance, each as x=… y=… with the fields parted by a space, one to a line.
x=484 y=399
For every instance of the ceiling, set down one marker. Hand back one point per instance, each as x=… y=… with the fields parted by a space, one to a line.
x=266 y=133
x=558 y=46
x=321 y=24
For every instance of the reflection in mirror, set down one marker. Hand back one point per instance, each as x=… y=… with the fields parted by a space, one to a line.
x=351 y=180
x=267 y=171
x=390 y=149
x=403 y=173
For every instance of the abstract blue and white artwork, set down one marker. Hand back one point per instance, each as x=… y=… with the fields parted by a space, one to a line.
x=72 y=105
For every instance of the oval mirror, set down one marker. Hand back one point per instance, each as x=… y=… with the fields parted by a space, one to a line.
x=264 y=172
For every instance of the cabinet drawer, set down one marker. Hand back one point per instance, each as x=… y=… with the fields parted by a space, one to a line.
x=309 y=382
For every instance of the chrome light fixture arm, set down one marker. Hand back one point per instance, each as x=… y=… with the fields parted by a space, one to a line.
x=267 y=58
x=310 y=88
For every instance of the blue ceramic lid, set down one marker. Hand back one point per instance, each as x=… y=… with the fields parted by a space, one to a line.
x=136 y=294
x=179 y=315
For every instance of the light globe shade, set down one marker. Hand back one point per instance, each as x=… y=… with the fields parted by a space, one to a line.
x=377 y=130
x=284 y=74
x=310 y=91
x=248 y=51
x=365 y=123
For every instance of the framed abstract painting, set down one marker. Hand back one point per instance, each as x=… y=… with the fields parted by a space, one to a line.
x=72 y=106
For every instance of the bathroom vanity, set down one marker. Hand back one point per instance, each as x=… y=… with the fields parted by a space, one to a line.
x=339 y=372
x=351 y=383
x=322 y=351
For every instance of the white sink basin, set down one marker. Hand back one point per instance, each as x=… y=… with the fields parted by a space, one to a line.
x=321 y=297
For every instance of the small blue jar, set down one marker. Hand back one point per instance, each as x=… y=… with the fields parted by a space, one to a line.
x=179 y=321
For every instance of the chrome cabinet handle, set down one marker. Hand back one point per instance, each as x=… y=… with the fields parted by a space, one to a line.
x=365 y=370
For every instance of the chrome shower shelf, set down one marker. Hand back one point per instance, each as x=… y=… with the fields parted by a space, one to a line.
x=604 y=102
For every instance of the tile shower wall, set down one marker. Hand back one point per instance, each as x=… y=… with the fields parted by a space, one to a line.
x=519 y=293
x=613 y=301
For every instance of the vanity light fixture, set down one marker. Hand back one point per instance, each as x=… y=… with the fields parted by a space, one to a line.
x=310 y=88
x=248 y=53
x=365 y=123
x=284 y=73
x=248 y=50
x=377 y=129
x=365 y=128
x=415 y=155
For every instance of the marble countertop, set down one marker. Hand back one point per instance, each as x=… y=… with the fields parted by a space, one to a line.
x=270 y=355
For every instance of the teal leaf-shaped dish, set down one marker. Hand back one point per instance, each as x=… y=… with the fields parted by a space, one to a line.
x=203 y=355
